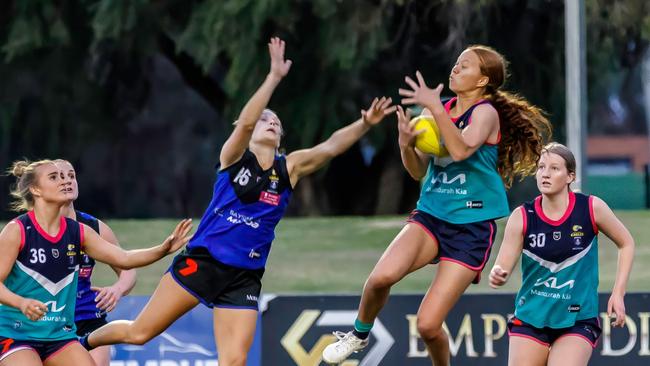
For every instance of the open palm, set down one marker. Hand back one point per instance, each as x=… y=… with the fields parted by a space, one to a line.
x=279 y=66
x=379 y=109
x=179 y=236
x=420 y=93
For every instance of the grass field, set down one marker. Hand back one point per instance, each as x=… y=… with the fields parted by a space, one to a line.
x=335 y=255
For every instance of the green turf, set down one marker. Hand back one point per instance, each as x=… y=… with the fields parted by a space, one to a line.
x=335 y=255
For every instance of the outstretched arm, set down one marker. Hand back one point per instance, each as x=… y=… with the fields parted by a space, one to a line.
x=103 y=251
x=236 y=144
x=304 y=162
x=108 y=297
x=611 y=226
x=510 y=249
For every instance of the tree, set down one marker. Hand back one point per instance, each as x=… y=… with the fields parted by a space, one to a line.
x=140 y=94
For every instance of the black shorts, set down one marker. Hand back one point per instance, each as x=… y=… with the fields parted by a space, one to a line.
x=44 y=349
x=587 y=329
x=216 y=284
x=87 y=326
x=466 y=244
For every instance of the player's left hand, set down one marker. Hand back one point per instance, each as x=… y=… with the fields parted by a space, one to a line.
x=379 y=109
x=179 y=237
x=616 y=306
x=498 y=276
x=107 y=297
x=420 y=93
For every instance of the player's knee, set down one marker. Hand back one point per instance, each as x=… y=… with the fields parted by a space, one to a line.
x=138 y=339
x=382 y=280
x=430 y=331
x=138 y=336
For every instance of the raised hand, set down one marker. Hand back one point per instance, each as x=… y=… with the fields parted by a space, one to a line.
x=179 y=236
x=420 y=93
x=33 y=309
x=498 y=277
x=407 y=133
x=279 y=66
x=379 y=109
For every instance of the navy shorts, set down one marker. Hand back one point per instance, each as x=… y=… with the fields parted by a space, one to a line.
x=44 y=349
x=87 y=326
x=588 y=329
x=216 y=284
x=466 y=244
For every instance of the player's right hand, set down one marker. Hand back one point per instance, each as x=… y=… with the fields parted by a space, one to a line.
x=279 y=66
x=33 y=309
x=406 y=133
x=498 y=277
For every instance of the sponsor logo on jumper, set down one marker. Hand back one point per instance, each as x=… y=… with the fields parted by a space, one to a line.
x=474 y=204
x=251 y=298
x=253 y=254
x=574 y=308
x=577 y=231
x=274 y=182
x=270 y=198
x=551 y=282
x=443 y=178
x=237 y=218
x=577 y=241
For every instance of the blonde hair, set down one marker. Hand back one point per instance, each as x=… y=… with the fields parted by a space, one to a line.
x=25 y=173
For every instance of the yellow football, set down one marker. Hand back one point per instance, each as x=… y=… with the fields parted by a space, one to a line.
x=429 y=141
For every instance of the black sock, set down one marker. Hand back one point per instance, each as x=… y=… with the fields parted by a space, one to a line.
x=360 y=335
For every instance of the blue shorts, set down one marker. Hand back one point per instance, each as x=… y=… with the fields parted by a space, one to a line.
x=44 y=349
x=466 y=244
x=87 y=326
x=587 y=329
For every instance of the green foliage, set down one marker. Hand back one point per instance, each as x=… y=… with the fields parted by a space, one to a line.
x=111 y=19
x=77 y=71
x=36 y=24
x=611 y=27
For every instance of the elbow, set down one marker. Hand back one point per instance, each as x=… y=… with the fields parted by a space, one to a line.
x=417 y=176
x=460 y=154
x=124 y=263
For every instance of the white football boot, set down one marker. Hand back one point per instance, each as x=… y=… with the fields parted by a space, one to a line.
x=346 y=345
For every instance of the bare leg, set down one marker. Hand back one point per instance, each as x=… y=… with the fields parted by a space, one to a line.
x=234 y=331
x=411 y=250
x=72 y=354
x=23 y=357
x=168 y=303
x=570 y=351
x=526 y=352
x=101 y=355
x=449 y=284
